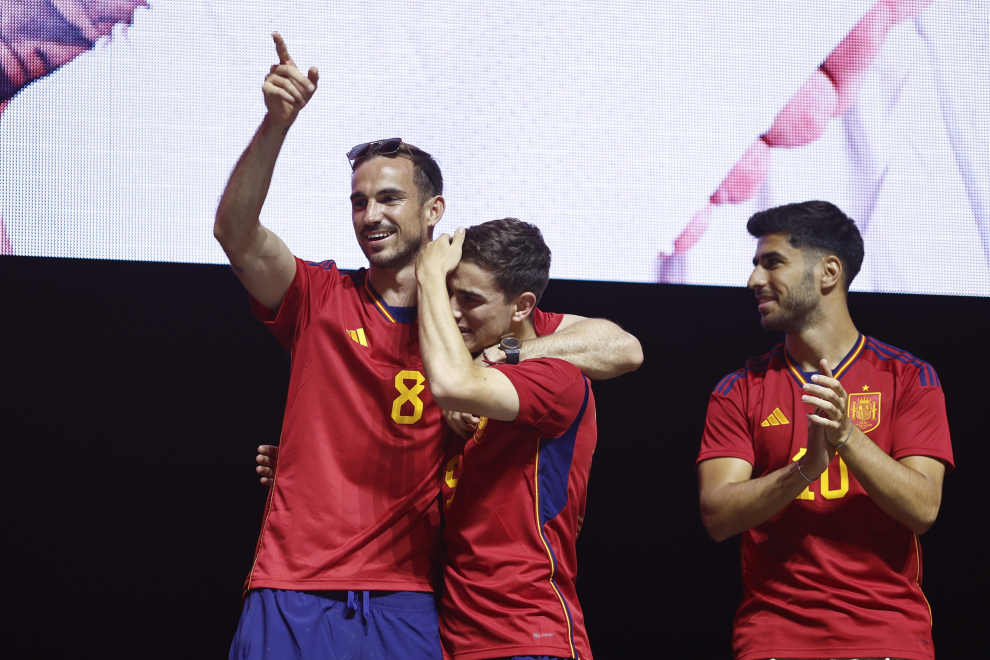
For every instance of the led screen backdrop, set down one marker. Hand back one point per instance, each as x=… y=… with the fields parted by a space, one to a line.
x=639 y=136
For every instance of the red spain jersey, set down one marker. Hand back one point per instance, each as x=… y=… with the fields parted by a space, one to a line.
x=354 y=503
x=513 y=500
x=830 y=576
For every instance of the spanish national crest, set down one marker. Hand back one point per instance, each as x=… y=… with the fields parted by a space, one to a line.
x=864 y=410
x=480 y=431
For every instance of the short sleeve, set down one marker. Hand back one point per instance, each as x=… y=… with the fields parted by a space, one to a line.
x=727 y=433
x=921 y=427
x=546 y=323
x=551 y=393
x=311 y=288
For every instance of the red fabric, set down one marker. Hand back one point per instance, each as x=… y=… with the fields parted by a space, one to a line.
x=354 y=501
x=830 y=577
x=504 y=595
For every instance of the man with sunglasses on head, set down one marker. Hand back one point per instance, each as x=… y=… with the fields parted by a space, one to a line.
x=346 y=561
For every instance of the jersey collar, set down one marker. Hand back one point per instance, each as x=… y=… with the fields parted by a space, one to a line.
x=802 y=377
x=391 y=314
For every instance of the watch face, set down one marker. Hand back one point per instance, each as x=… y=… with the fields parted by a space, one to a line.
x=510 y=343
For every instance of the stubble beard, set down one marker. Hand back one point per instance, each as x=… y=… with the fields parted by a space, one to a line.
x=797 y=312
x=400 y=256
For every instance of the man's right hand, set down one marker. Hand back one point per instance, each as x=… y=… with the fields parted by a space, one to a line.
x=463 y=424
x=267 y=459
x=286 y=89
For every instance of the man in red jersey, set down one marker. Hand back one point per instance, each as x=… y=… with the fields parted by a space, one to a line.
x=345 y=558
x=513 y=494
x=828 y=455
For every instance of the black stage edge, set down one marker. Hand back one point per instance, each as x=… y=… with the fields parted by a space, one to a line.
x=136 y=394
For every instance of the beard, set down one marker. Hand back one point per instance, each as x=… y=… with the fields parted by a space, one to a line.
x=403 y=253
x=797 y=311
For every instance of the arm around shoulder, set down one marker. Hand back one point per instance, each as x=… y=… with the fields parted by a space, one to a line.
x=598 y=347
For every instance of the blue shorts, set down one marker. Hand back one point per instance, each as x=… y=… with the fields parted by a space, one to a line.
x=335 y=625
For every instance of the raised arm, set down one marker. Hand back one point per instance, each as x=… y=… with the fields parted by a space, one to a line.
x=598 y=347
x=908 y=490
x=732 y=502
x=259 y=258
x=456 y=383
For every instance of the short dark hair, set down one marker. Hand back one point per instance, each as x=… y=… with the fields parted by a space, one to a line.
x=426 y=173
x=514 y=252
x=819 y=226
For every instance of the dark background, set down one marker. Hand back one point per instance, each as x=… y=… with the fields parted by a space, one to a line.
x=136 y=394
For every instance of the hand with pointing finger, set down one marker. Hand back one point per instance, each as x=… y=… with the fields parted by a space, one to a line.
x=286 y=89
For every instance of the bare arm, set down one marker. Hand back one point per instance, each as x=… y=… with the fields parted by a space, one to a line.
x=732 y=502
x=456 y=383
x=259 y=257
x=599 y=348
x=908 y=490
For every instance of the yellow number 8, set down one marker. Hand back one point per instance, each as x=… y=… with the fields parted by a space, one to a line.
x=410 y=394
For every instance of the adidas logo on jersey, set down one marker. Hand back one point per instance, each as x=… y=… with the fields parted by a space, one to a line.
x=358 y=336
x=776 y=418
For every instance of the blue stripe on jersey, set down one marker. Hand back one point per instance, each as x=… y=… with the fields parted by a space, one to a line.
x=325 y=265
x=757 y=364
x=556 y=455
x=887 y=352
x=553 y=471
x=357 y=276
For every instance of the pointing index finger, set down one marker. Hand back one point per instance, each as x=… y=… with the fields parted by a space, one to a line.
x=280 y=48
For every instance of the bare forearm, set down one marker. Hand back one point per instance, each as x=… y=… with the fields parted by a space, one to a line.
x=599 y=348
x=237 y=222
x=731 y=508
x=906 y=495
x=445 y=357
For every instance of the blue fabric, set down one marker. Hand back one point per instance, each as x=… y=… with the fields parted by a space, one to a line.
x=556 y=455
x=355 y=625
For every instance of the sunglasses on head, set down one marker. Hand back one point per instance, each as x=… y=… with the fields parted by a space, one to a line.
x=383 y=147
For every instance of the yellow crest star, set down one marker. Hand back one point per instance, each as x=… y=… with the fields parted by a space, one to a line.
x=866 y=388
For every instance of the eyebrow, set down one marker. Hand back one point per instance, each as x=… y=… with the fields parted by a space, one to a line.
x=767 y=255
x=384 y=191
x=469 y=292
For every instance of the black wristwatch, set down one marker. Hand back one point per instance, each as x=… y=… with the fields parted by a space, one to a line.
x=510 y=346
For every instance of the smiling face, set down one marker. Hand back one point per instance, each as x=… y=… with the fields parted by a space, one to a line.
x=390 y=224
x=479 y=306
x=784 y=280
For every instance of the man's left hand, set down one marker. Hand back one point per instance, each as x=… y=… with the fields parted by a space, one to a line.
x=492 y=354
x=442 y=255
x=828 y=397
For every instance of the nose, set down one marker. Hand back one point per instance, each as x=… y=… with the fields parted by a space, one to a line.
x=757 y=279
x=374 y=213
x=455 y=308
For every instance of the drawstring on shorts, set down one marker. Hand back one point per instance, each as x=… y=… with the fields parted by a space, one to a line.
x=352 y=605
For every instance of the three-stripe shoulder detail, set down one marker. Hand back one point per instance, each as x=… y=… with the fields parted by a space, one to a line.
x=886 y=352
x=325 y=265
x=758 y=365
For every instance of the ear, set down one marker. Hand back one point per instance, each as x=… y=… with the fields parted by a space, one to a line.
x=434 y=209
x=831 y=273
x=523 y=306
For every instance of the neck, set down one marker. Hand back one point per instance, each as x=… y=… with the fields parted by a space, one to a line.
x=830 y=339
x=523 y=330
x=396 y=285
